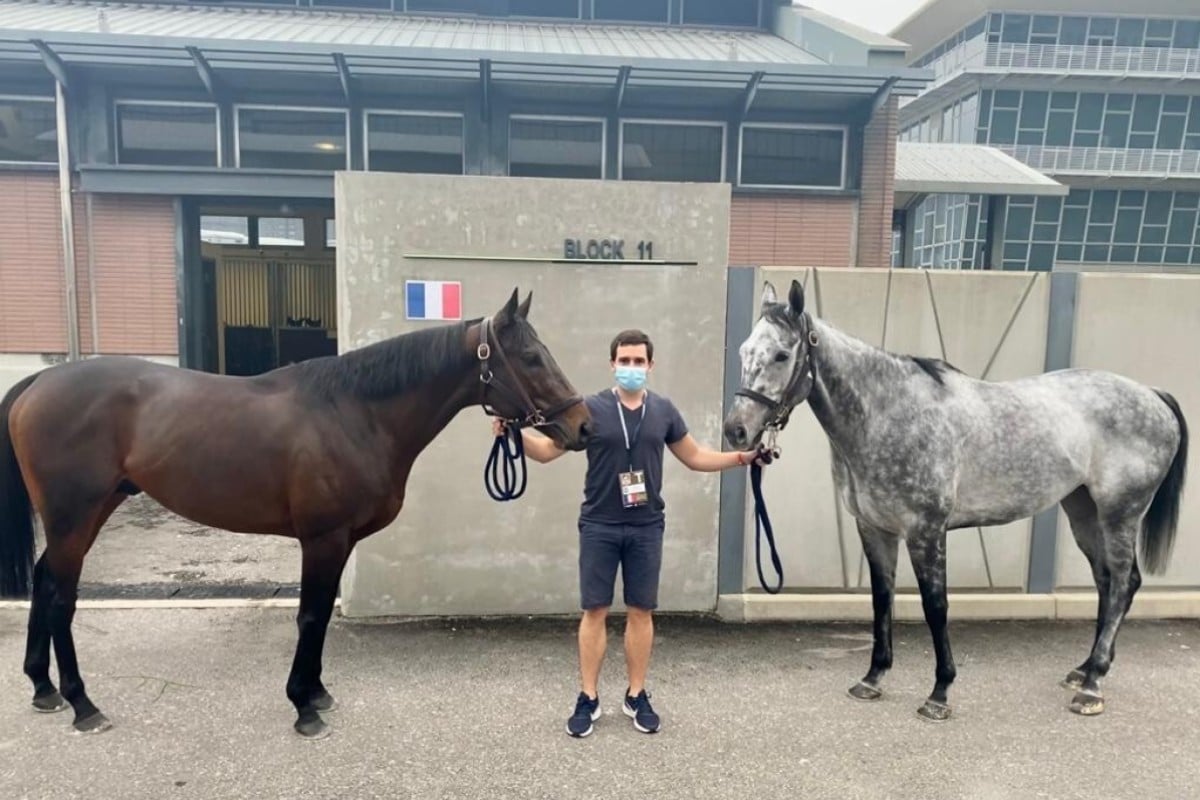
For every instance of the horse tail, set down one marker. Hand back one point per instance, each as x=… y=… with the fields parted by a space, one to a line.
x=16 y=512
x=1158 y=528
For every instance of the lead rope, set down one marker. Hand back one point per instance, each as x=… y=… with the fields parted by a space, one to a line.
x=508 y=452
x=762 y=520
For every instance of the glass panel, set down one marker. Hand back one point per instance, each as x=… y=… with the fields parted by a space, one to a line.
x=1120 y=102
x=1086 y=139
x=1146 y=108
x=1104 y=206
x=544 y=8
x=378 y=5
x=1170 y=133
x=556 y=148
x=1141 y=141
x=1103 y=26
x=1070 y=252
x=1033 y=109
x=1004 y=127
x=1187 y=33
x=28 y=132
x=1063 y=100
x=1154 y=234
x=631 y=10
x=1158 y=208
x=1045 y=232
x=1132 y=198
x=1016 y=28
x=167 y=135
x=1074 y=30
x=442 y=5
x=1123 y=252
x=791 y=157
x=1131 y=32
x=1187 y=199
x=1175 y=102
x=661 y=152
x=414 y=143
x=1030 y=137
x=1058 y=131
x=1095 y=252
x=273 y=138
x=1160 y=28
x=1116 y=131
x=1150 y=255
x=331 y=233
x=1177 y=255
x=1047 y=210
x=1073 y=222
x=1091 y=111
x=224 y=230
x=975 y=28
x=1129 y=223
x=1007 y=99
x=1044 y=24
x=1099 y=234
x=280 y=232
x=1041 y=256
x=1020 y=221
x=720 y=12
x=1183 y=227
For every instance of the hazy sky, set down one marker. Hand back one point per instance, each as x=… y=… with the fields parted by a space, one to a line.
x=877 y=15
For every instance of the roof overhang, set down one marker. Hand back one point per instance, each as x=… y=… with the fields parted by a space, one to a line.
x=945 y=168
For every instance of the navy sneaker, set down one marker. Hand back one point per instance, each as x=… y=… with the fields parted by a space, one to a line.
x=587 y=711
x=639 y=710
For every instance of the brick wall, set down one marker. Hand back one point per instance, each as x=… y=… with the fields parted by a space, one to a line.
x=878 y=182
x=133 y=258
x=798 y=230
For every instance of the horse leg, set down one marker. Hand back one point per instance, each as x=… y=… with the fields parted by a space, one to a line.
x=881 y=549
x=1124 y=579
x=1085 y=526
x=928 y=553
x=46 y=698
x=64 y=557
x=323 y=559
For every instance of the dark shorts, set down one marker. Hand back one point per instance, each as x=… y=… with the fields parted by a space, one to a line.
x=636 y=548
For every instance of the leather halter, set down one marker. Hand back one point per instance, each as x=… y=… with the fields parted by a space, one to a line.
x=534 y=417
x=804 y=375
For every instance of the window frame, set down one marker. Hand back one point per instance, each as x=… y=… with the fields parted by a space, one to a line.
x=392 y=112
x=237 y=129
x=562 y=118
x=116 y=128
x=845 y=130
x=724 y=126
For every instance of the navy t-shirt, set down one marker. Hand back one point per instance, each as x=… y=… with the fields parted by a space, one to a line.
x=607 y=457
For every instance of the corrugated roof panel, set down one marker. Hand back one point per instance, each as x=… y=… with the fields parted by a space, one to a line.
x=344 y=28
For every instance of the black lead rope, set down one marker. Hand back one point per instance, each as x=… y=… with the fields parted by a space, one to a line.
x=500 y=475
x=762 y=523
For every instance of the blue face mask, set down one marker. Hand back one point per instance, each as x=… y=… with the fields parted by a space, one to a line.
x=631 y=379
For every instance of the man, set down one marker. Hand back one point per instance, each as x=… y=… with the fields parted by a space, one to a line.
x=621 y=520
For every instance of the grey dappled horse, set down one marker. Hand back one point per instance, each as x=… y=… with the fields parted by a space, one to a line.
x=920 y=448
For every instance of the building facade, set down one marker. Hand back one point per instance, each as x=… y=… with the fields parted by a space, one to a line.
x=166 y=169
x=1094 y=94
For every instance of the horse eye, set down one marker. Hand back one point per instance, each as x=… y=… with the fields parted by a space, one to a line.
x=531 y=359
x=781 y=356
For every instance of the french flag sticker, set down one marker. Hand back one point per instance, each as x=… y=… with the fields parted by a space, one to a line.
x=433 y=300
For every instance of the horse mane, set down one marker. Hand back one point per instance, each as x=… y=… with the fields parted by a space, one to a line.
x=935 y=368
x=390 y=367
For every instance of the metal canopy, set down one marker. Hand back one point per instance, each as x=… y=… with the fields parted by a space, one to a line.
x=948 y=168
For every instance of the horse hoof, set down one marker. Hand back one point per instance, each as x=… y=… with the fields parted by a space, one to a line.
x=1073 y=681
x=49 y=703
x=934 y=711
x=864 y=691
x=96 y=723
x=312 y=729
x=1087 y=705
x=324 y=702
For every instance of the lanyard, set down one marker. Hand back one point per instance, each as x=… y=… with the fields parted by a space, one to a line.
x=625 y=430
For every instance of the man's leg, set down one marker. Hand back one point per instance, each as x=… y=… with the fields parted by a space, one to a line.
x=593 y=640
x=599 y=556
x=641 y=565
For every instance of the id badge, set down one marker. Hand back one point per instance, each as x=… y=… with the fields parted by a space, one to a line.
x=633 y=489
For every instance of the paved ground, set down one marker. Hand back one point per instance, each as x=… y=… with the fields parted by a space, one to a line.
x=146 y=551
x=471 y=709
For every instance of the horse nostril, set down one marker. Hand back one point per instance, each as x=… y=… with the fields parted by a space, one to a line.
x=740 y=432
x=735 y=433
x=585 y=431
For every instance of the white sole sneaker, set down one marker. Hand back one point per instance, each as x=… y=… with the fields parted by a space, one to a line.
x=588 y=732
x=629 y=712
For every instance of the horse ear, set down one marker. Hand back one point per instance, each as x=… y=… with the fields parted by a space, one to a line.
x=523 y=309
x=768 y=296
x=510 y=309
x=796 y=299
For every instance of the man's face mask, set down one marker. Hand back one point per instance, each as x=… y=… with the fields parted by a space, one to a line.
x=631 y=379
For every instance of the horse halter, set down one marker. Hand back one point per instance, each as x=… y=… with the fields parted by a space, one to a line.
x=780 y=410
x=534 y=416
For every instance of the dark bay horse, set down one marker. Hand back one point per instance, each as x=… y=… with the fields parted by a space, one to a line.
x=920 y=448
x=319 y=451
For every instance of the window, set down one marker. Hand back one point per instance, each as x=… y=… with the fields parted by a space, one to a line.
x=331 y=233
x=224 y=230
x=401 y=142
x=167 y=134
x=27 y=130
x=673 y=151
x=631 y=10
x=780 y=155
x=555 y=147
x=721 y=12
x=568 y=9
x=291 y=138
x=281 y=232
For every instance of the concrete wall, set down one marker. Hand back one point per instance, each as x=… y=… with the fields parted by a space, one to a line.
x=1145 y=327
x=970 y=319
x=453 y=550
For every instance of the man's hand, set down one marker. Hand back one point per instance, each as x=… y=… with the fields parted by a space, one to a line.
x=498 y=427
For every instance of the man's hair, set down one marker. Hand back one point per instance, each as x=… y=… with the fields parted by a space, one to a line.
x=628 y=337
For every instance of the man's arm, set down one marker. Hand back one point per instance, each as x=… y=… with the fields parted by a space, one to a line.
x=701 y=459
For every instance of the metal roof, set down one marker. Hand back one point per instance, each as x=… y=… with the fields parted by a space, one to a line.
x=96 y=34
x=946 y=168
x=340 y=29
